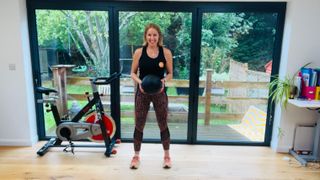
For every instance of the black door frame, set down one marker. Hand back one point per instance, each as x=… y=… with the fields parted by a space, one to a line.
x=197 y=9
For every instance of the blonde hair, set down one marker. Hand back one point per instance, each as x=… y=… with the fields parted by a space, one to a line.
x=157 y=28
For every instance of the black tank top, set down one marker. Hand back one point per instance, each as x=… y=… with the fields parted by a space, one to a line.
x=148 y=65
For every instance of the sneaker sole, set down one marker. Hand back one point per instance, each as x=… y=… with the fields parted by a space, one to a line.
x=166 y=167
x=135 y=167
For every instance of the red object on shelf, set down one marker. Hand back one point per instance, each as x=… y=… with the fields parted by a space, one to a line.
x=310 y=92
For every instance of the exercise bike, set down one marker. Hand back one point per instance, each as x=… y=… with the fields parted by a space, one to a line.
x=97 y=125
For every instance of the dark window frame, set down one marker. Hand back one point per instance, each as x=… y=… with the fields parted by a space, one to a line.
x=196 y=8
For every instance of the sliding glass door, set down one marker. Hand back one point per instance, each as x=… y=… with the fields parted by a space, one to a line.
x=235 y=69
x=223 y=57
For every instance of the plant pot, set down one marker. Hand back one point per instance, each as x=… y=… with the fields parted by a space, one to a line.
x=293 y=92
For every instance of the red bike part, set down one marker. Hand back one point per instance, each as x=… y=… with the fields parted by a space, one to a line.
x=114 y=151
x=108 y=122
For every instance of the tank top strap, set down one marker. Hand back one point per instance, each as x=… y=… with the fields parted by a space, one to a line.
x=161 y=54
x=161 y=50
x=144 y=51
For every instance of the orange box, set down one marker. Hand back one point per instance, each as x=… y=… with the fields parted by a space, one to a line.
x=317 y=93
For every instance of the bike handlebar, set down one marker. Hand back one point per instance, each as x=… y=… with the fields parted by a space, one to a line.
x=105 y=80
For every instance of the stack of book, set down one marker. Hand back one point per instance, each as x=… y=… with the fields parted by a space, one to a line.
x=308 y=84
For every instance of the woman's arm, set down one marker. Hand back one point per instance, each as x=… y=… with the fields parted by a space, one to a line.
x=135 y=65
x=134 y=68
x=169 y=67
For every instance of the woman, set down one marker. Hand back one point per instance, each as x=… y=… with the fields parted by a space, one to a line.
x=153 y=59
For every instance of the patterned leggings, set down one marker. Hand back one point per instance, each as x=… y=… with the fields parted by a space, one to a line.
x=142 y=105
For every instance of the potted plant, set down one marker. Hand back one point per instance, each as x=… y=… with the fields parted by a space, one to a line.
x=283 y=89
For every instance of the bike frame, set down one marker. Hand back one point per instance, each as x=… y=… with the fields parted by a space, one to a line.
x=95 y=101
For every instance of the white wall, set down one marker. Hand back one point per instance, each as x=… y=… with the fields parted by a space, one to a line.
x=301 y=44
x=17 y=123
x=17 y=120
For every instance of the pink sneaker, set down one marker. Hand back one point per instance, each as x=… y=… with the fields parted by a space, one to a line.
x=135 y=162
x=167 y=163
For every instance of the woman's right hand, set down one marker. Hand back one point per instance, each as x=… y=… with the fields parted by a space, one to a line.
x=141 y=89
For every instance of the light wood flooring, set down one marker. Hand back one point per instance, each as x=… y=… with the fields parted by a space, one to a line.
x=189 y=162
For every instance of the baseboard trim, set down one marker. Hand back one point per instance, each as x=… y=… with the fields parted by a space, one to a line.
x=18 y=142
x=282 y=149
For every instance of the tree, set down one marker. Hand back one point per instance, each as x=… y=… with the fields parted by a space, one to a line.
x=88 y=31
x=256 y=47
x=179 y=36
x=131 y=33
x=220 y=32
x=51 y=29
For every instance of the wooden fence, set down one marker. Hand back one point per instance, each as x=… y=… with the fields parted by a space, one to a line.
x=207 y=99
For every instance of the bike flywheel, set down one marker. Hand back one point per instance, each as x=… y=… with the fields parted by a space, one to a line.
x=109 y=123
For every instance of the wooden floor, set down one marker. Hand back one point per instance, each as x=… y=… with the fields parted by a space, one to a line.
x=189 y=162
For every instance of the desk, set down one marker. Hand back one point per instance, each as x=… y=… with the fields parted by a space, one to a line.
x=305 y=103
x=315 y=156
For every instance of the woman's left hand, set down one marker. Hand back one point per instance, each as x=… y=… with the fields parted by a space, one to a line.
x=163 y=84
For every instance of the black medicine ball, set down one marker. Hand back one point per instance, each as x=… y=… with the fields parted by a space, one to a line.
x=151 y=84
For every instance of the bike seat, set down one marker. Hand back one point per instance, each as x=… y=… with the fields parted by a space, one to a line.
x=45 y=90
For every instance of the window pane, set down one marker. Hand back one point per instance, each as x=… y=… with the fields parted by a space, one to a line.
x=72 y=45
x=236 y=61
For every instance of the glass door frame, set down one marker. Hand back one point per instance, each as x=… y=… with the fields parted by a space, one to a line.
x=32 y=6
x=196 y=8
x=278 y=8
